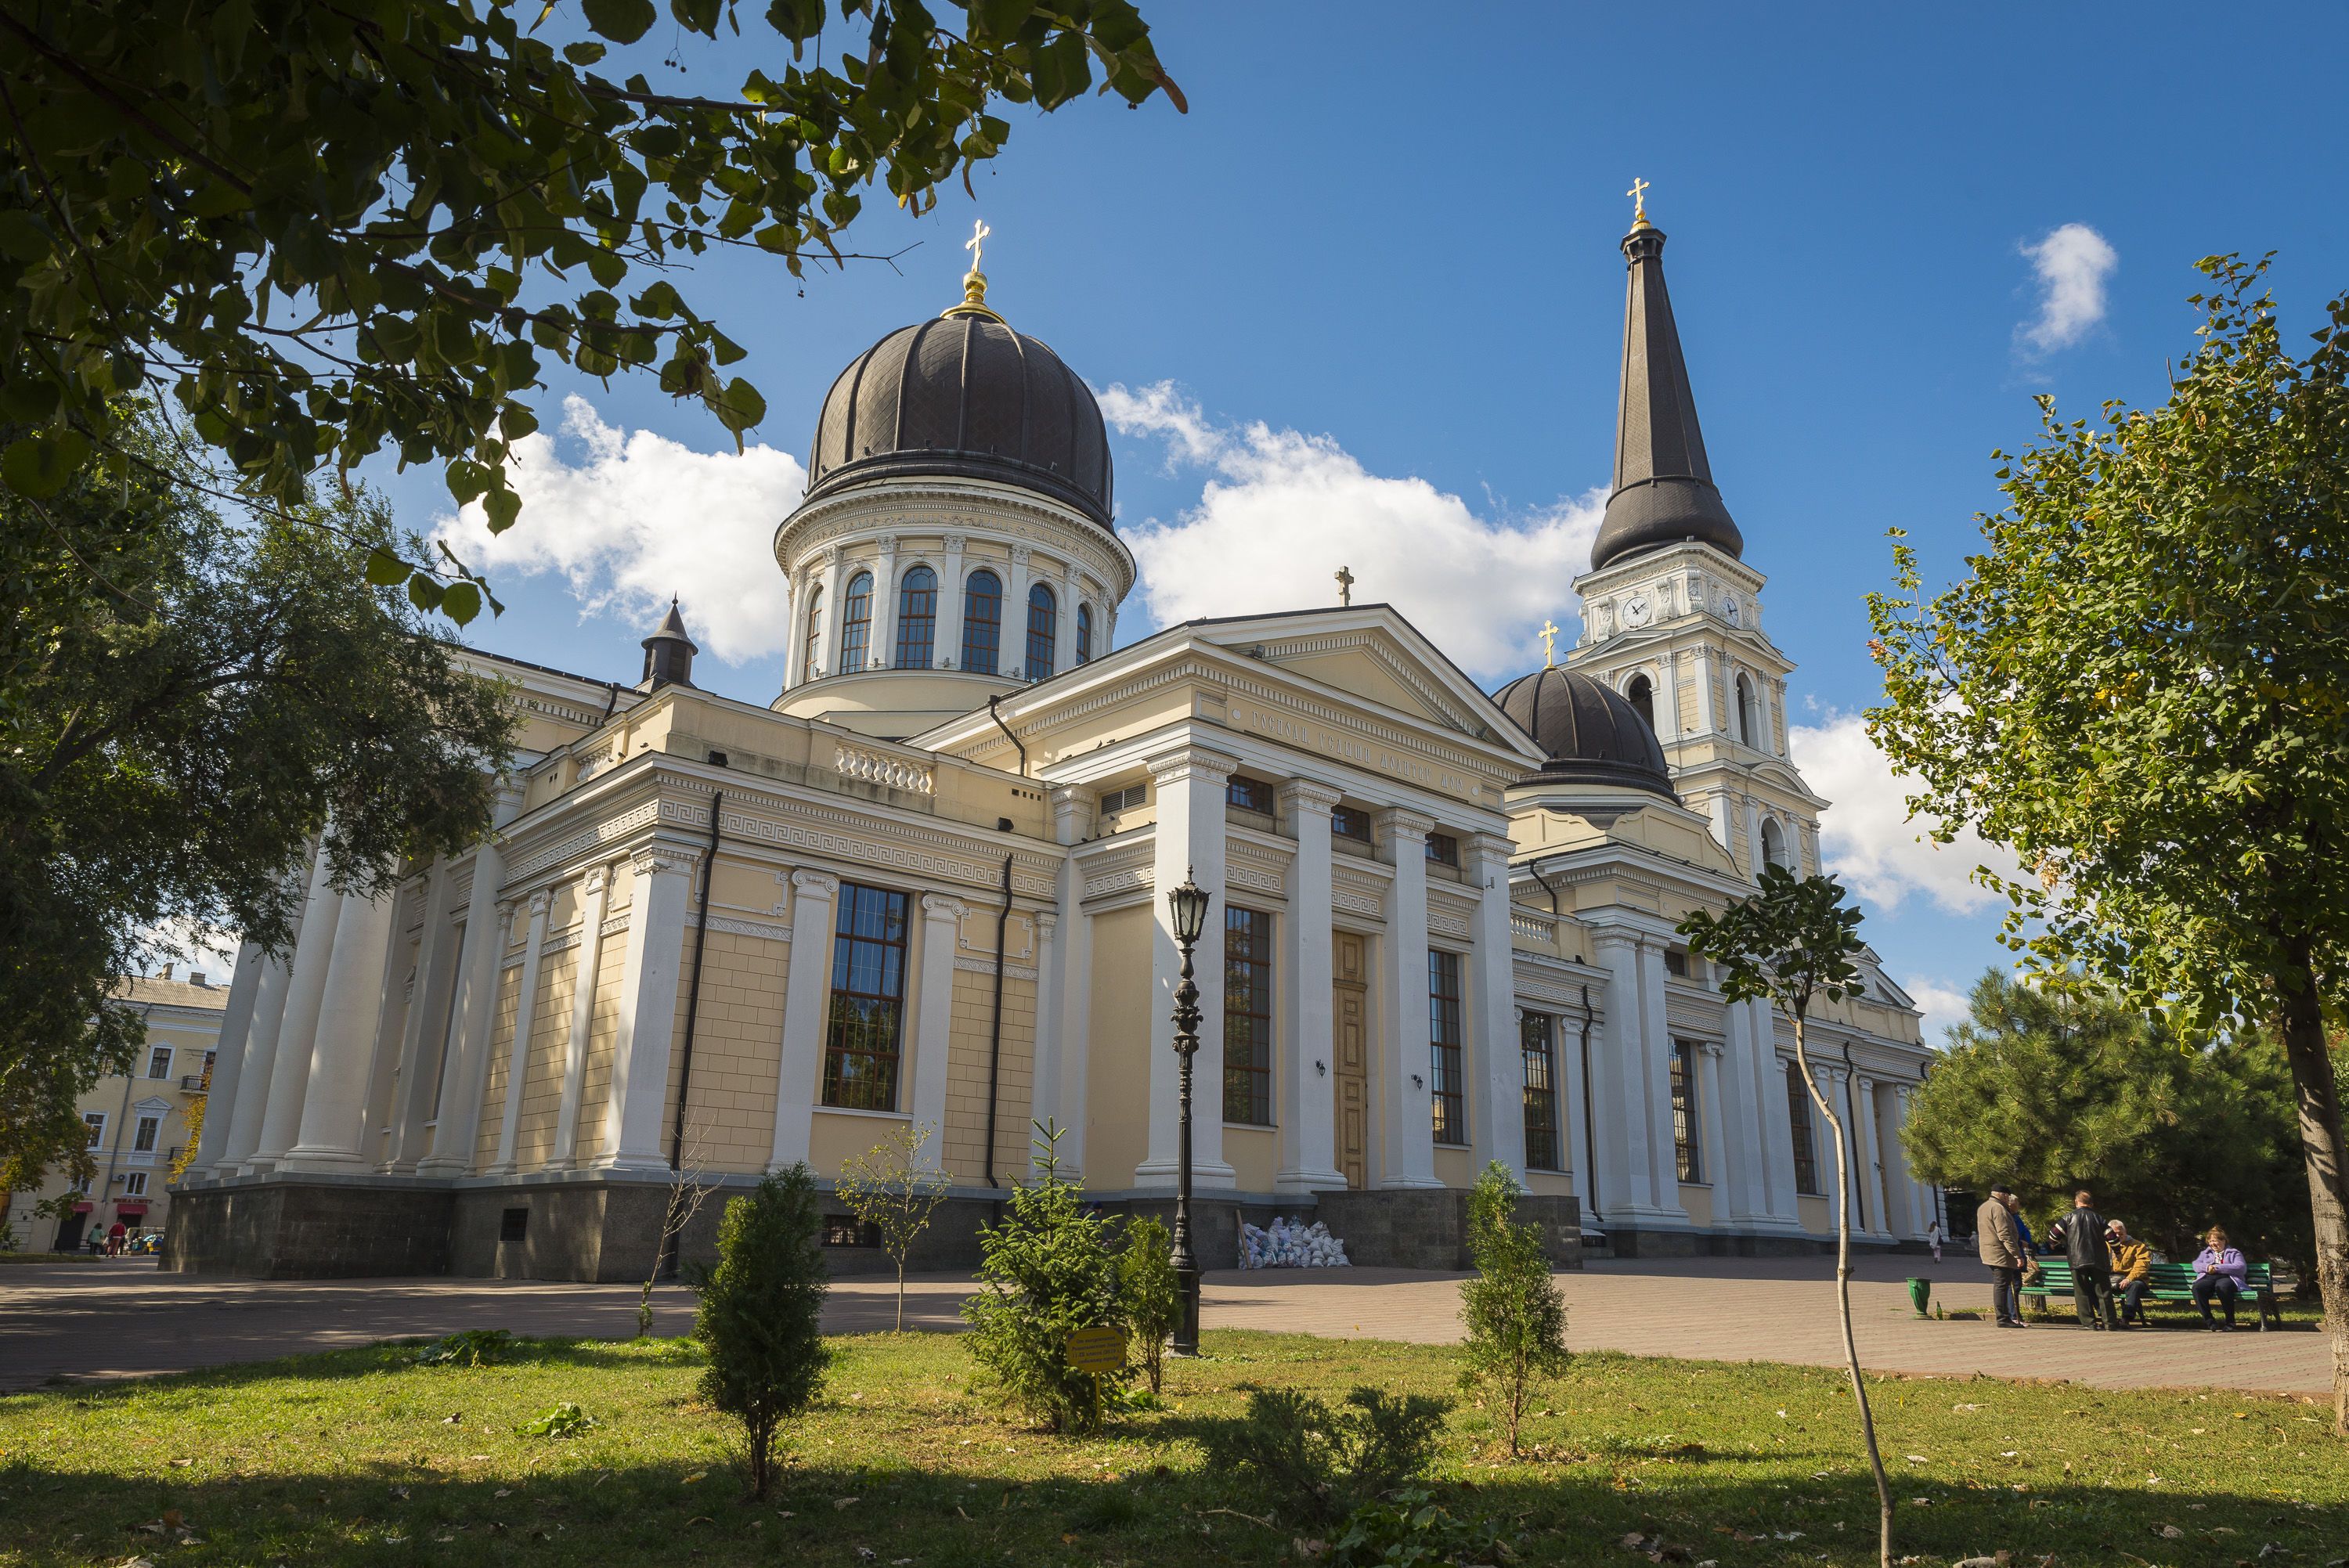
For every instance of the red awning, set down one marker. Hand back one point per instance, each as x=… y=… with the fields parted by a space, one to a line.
x=130 y=1211
x=83 y=1208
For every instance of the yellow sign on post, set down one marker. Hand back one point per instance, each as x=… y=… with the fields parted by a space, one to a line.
x=1096 y=1350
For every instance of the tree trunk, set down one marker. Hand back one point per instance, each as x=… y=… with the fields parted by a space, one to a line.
x=901 y=1295
x=2328 y=1181
x=1843 y=1299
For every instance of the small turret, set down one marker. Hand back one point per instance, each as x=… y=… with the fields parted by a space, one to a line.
x=668 y=654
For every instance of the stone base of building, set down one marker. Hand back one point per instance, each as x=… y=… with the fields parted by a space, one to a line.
x=1632 y=1241
x=310 y=1227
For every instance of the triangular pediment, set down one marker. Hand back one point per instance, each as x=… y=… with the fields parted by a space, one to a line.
x=1371 y=653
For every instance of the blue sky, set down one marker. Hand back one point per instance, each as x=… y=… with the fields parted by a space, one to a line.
x=1363 y=303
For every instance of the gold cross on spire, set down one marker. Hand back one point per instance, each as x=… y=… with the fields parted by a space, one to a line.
x=1549 y=643
x=1639 y=195
x=1345 y=586
x=979 y=233
x=974 y=282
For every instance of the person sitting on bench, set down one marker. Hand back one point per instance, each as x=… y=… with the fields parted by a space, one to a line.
x=2218 y=1274
x=2132 y=1270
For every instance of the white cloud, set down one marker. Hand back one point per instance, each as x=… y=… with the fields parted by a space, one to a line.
x=1281 y=511
x=1866 y=836
x=640 y=518
x=2072 y=263
x=1942 y=1005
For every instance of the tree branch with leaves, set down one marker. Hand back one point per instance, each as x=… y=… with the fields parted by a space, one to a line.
x=891 y=1188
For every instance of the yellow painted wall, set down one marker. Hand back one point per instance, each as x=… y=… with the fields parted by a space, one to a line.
x=493 y=1098
x=1455 y=1167
x=550 y=1032
x=1817 y=1213
x=965 y=1134
x=737 y=1048
x=1698 y=1201
x=603 y=1026
x=1117 y=1076
x=1254 y=1154
x=836 y=1137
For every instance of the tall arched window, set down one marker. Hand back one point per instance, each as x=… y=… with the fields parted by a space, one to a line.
x=813 y=652
x=856 y=623
x=1774 y=844
x=982 y=621
x=1043 y=631
x=1642 y=693
x=1084 y=633
x=1744 y=710
x=917 y=618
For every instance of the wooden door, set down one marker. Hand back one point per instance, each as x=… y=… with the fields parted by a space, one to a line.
x=1351 y=1048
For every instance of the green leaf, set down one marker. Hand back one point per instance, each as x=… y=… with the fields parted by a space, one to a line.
x=460 y=602
x=423 y=590
x=385 y=570
x=622 y=21
x=40 y=465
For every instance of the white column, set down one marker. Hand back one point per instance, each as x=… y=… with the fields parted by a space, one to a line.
x=518 y=1054
x=594 y=895
x=1871 y=1161
x=806 y=983
x=934 y=1021
x=1565 y=1036
x=1013 y=658
x=1777 y=1114
x=827 y=654
x=1188 y=783
x=425 y=1028
x=1707 y=717
x=1064 y=643
x=1753 y=860
x=1712 y=1162
x=1072 y=994
x=1407 y=1128
x=334 y=1107
x=1043 y=1085
x=465 y=1058
x=298 y=1031
x=1496 y=1064
x=949 y=645
x=1740 y=1192
x=1620 y=1160
x=228 y=1057
x=1656 y=1041
x=1308 y=1034
x=241 y=1133
x=1845 y=1099
x=648 y=993
x=882 y=651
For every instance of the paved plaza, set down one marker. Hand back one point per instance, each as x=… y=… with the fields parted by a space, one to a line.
x=100 y=1318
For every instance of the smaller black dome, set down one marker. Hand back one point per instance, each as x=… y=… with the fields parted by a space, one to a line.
x=1590 y=732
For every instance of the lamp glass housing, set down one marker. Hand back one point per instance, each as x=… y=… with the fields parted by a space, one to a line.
x=1188 y=905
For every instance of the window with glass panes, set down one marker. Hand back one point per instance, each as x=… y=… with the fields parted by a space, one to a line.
x=917 y=618
x=96 y=1121
x=1043 y=631
x=856 y=623
x=1248 y=795
x=865 y=1031
x=1084 y=633
x=1443 y=1034
x=1543 y=1150
x=142 y=1137
x=158 y=1062
x=1684 y=1150
x=1247 y=1017
x=1799 y=1121
x=982 y=621
x=1348 y=823
x=1444 y=849
x=814 y=654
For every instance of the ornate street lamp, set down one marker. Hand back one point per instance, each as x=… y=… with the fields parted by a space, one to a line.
x=1188 y=906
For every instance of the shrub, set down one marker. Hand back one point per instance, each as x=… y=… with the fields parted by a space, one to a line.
x=888 y=1188
x=473 y=1347
x=1330 y=1462
x=1412 y=1530
x=759 y=1312
x=1046 y=1270
x=1514 y=1315
x=1149 y=1293
x=564 y=1420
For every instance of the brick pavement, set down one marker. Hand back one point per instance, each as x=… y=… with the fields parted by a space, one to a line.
x=97 y=1318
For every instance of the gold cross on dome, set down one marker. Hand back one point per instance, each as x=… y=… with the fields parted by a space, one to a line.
x=1639 y=195
x=979 y=233
x=1345 y=586
x=1549 y=643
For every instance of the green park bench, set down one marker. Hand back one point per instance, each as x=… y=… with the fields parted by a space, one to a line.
x=2172 y=1282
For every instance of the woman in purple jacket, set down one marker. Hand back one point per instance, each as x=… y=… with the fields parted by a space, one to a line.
x=2218 y=1273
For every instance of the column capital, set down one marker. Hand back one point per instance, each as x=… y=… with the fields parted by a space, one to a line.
x=597 y=880
x=943 y=907
x=1174 y=766
x=953 y=543
x=1309 y=795
x=538 y=903
x=656 y=859
x=1047 y=920
x=1713 y=1049
x=886 y=545
x=1399 y=824
x=1020 y=553
x=1612 y=936
x=504 y=910
x=814 y=884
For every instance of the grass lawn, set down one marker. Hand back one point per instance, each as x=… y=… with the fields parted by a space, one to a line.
x=363 y=1459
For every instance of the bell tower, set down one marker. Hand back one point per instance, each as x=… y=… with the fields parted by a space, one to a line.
x=1672 y=614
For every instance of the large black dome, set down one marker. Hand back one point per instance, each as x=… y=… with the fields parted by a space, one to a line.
x=965 y=397
x=1590 y=732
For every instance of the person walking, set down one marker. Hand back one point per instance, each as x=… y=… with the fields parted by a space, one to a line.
x=2132 y=1269
x=2082 y=1232
x=117 y=1231
x=1933 y=1236
x=2218 y=1276
x=1999 y=1242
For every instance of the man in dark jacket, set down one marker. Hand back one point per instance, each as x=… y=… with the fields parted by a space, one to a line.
x=2000 y=1242
x=2084 y=1243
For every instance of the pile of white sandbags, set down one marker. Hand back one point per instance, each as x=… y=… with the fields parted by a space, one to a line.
x=1290 y=1244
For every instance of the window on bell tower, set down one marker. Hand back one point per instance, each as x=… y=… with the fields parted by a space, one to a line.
x=1642 y=693
x=1745 y=726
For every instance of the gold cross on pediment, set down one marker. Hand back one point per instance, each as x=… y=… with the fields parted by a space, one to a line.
x=1549 y=643
x=1345 y=586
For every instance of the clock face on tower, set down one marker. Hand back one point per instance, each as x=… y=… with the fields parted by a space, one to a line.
x=1729 y=611
x=1637 y=611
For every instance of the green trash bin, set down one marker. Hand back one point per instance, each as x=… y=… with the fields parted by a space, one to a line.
x=1920 y=1295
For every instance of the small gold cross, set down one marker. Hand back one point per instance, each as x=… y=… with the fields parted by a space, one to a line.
x=979 y=233
x=1639 y=195
x=1345 y=586
x=1549 y=643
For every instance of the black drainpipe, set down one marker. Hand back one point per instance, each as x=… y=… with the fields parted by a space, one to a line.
x=692 y=1010
x=1548 y=887
x=1007 y=734
x=995 y=1033
x=1590 y=1134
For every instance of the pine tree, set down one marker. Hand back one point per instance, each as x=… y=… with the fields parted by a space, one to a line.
x=1514 y=1314
x=1151 y=1294
x=760 y=1312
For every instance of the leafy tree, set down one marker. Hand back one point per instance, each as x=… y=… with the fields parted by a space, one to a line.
x=184 y=702
x=2054 y=1087
x=1046 y=1270
x=888 y=1188
x=1514 y=1315
x=2143 y=688
x=760 y=1317
x=1792 y=944
x=334 y=229
x=1150 y=1294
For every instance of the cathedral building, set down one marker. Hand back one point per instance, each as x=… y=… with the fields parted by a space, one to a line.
x=926 y=887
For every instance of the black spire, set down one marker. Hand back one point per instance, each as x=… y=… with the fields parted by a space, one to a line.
x=1663 y=486
x=668 y=654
